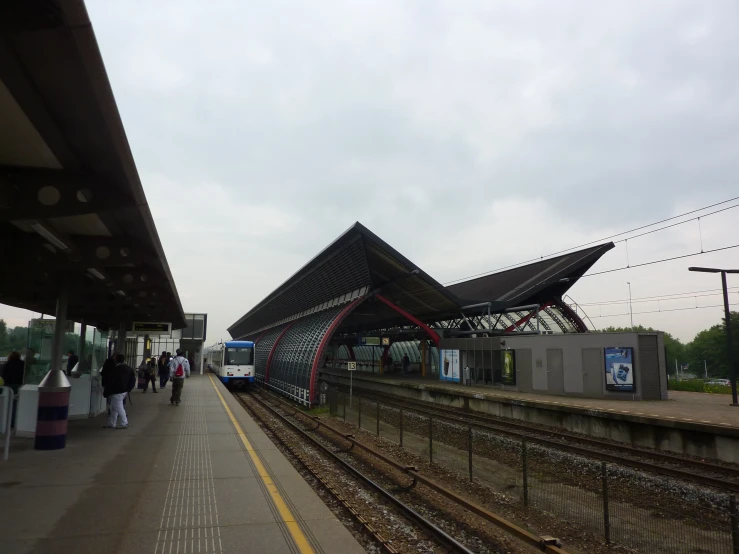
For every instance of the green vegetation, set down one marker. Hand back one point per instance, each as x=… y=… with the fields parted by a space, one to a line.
x=697 y=385
x=318 y=410
x=16 y=339
x=708 y=345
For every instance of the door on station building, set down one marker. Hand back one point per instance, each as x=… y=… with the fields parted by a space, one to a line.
x=592 y=372
x=555 y=371
x=524 y=370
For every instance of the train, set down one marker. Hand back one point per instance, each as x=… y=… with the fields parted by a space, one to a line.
x=232 y=362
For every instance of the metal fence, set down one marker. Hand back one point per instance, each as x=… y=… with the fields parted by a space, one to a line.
x=626 y=507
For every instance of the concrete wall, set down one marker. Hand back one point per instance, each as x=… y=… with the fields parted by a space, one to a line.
x=574 y=364
x=696 y=439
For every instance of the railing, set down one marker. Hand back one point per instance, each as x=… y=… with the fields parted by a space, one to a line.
x=8 y=421
x=623 y=506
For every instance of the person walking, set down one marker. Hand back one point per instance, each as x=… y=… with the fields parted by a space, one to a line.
x=12 y=376
x=72 y=360
x=117 y=384
x=163 y=368
x=142 y=373
x=179 y=370
x=151 y=375
x=406 y=364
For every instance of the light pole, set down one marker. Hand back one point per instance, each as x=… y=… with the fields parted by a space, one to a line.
x=631 y=311
x=727 y=315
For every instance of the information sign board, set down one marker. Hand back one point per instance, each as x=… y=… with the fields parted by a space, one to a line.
x=619 y=369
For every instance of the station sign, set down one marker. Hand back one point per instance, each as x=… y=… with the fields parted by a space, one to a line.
x=152 y=328
x=48 y=325
x=370 y=341
x=352 y=366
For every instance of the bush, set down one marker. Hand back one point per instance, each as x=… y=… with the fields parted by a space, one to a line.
x=697 y=385
x=692 y=385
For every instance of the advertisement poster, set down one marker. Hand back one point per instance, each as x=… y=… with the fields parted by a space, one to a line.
x=620 y=369
x=508 y=363
x=449 y=365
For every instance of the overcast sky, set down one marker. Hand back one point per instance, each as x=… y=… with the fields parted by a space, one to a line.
x=468 y=135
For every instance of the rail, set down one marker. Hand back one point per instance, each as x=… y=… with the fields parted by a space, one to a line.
x=545 y=544
x=409 y=512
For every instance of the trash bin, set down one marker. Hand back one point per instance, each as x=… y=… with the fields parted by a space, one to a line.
x=53 y=411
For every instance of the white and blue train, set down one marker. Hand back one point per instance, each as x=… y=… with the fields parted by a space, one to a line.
x=232 y=361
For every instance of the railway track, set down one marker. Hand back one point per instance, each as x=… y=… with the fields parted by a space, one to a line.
x=288 y=414
x=448 y=543
x=721 y=477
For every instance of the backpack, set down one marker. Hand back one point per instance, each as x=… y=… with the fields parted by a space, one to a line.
x=180 y=371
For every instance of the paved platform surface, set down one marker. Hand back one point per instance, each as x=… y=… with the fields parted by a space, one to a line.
x=681 y=406
x=199 y=477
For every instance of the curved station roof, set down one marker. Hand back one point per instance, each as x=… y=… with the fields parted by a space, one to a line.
x=360 y=285
x=72 y=208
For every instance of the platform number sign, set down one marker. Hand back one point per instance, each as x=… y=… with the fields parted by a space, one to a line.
x=352 y=366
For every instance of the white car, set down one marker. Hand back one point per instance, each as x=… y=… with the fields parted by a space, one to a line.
x=724 y=382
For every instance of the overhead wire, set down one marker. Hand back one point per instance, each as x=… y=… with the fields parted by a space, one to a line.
x=662 y=298
x=583 y=245
x=656 y=311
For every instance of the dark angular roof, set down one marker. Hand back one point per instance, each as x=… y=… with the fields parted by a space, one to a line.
x=358 y=259
x=532 y=283
x=361 y=261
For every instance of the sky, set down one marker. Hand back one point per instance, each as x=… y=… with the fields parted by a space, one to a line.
x=469 y=135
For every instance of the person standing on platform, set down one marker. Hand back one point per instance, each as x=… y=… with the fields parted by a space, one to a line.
x=151 y=375
x=117 y=385
x=72 y=360
x=406 y=364
x=179 y=370
x=12 y=372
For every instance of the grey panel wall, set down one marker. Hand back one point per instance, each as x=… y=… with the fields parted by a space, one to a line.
x=592 y=372
x=523 y=370
x=648 y=361
x=580 y=368
x=555 y=370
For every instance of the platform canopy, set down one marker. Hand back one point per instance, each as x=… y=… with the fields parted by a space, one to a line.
x=72 y=209
x=360 y=285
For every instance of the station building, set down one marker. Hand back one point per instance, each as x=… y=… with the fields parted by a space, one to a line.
x=362 y=301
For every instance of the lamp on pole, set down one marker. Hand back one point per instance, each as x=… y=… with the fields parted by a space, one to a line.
x=727 y=315
x=631 y=311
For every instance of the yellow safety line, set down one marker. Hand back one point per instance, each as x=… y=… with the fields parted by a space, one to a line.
x=285 y=513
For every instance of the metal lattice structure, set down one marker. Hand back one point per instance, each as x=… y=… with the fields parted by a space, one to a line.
x=262 y=349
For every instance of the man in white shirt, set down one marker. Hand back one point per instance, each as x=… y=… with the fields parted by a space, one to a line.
x=179 y=370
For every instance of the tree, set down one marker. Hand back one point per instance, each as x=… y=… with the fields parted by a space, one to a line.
x=710 y=345
x=4 y=340
x=18 y=337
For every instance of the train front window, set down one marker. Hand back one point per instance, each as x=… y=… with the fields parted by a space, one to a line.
x=239 y=356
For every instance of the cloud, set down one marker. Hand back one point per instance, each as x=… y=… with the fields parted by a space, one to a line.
x=469 y=136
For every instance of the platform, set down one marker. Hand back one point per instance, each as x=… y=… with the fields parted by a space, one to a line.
x=700 y=424
x=199 y=477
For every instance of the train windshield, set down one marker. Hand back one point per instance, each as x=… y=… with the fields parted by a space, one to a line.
x=239 y=356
